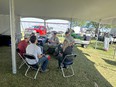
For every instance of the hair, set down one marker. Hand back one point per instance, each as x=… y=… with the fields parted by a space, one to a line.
x=55 y=33
x=32 y=34
x=26 y=36
x=33 y=39
x=67 y=32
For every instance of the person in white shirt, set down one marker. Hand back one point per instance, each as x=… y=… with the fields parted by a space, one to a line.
x=106 y=41
x=35 y=50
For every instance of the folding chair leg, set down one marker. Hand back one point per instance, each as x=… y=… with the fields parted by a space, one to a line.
x=64 y=72
x=27 y=71
x=72 y=70
x=34 y=75
x=22 y=63
x=37 y=73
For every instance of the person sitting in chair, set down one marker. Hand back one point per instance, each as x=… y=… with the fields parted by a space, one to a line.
x=23 y=44
x=66 y=50
x=35 y=50
x=68 y=41
x=54 y=41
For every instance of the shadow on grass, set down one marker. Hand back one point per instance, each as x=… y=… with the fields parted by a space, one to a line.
x=109 y=61
x=91 y=73
x=100 y=49
x=86 y=74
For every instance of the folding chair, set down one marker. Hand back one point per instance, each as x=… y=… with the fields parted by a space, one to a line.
x=22 y=58
x=35 y=66
x=68 y=61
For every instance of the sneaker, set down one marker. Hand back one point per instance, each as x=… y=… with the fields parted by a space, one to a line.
x=44 y=70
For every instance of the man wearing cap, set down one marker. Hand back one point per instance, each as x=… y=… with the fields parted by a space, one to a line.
x=69 y=38
x=23 y=44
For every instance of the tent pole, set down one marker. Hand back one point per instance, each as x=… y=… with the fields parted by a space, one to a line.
x=44 y=22
x=98 y=33
x=12 y=30
x=71 y=23
x=113 y=43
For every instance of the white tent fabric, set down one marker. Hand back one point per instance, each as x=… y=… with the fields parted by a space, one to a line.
x=63 y=9
x=5 y=24
x=111 y=21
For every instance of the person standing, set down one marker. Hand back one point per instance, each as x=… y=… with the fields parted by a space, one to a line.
x=106 y=42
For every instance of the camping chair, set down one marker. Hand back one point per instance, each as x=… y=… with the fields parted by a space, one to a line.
x=68 y=61
x=22 y=58
x=35 y=66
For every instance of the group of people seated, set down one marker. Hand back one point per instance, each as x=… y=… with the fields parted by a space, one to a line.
x=29 y=46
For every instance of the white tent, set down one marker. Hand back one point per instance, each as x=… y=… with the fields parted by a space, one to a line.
x=62 y=9
x=5 y=24
x=110 y=20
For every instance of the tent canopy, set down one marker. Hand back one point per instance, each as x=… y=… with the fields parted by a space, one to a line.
x=62 y=9
x=111 y=20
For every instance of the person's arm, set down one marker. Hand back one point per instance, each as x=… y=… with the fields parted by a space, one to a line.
x=40 y=55
x=57 y=40
x=72 y=41
x=51 y=40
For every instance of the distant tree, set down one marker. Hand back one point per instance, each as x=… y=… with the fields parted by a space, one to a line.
x=80 y=23
x=74 y=23
x=107 y=26
x=93 y=24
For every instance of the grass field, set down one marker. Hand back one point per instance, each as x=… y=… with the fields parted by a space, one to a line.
x=93 y=68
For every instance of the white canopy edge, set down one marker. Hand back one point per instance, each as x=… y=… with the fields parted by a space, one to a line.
x=62 y=9
x=110 y=20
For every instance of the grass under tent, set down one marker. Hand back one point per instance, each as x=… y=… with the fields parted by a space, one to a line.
x=93 y=68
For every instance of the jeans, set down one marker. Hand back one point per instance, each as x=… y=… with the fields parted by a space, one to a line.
x=44 y=62
x=60 y=59
x=59 y=63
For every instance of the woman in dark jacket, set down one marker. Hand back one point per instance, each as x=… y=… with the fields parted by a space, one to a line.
x=66 y=50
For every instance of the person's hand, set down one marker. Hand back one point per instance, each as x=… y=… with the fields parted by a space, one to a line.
x=49 y=41
x=70 y=44
x=60 y=54
x=53 y=41
x=40 y=56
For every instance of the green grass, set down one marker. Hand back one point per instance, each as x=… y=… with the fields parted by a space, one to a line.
x=91 y=66
x=103 y=61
